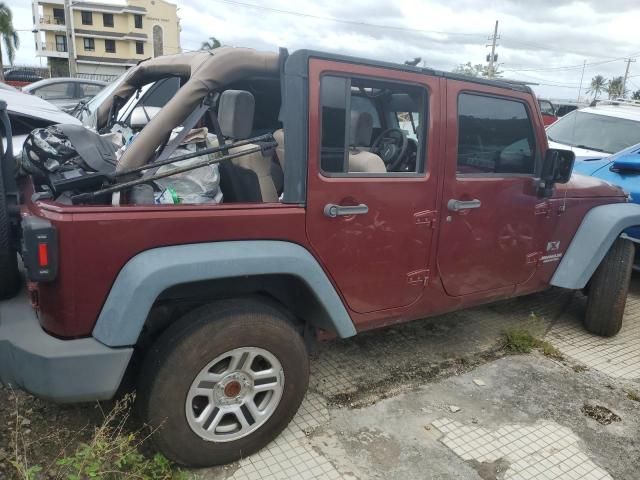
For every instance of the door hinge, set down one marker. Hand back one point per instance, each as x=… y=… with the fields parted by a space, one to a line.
x=543 y=208
x=427 y=218
x=418 y=277
x=533 y=258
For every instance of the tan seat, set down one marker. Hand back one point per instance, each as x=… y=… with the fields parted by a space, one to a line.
x=278 y=136
x=360 y=159
x=235 y=114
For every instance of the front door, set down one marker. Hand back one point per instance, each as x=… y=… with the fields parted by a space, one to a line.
x=371 y=195
x=489 y=210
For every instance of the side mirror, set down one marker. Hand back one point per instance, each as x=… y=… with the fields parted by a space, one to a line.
x=627 y=163
x=141 y=116
x=556 y=168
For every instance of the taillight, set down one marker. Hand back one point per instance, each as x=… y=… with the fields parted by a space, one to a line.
x=39 y=249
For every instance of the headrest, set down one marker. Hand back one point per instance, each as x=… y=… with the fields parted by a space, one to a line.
x=235 y=114
x=361 y=129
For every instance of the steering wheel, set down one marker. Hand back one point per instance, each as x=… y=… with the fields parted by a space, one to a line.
x=391 y=146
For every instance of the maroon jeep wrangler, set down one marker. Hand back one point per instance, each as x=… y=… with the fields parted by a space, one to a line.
x=355 y=195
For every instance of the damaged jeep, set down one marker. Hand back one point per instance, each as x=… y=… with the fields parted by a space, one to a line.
x=200 y=247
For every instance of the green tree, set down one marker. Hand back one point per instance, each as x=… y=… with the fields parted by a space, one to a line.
x=9 y=36
x=597 y=86
x=470 y=70
x=635 y=95
x=477 y=70
x=210 y=44
x=615 y=88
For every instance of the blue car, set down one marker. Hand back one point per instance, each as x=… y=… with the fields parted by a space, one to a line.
x=621 y=169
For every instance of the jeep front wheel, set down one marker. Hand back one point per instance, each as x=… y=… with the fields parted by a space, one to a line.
x=608 y=287
x=223 y=382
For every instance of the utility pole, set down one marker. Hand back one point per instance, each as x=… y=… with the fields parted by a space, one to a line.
x=491 y=71
x=70 y=45
x=581 y=79
x=626 y=75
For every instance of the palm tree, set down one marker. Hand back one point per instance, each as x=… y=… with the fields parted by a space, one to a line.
x=598 y=85
x=615 y=88
x=210 y=44
x=9 y=36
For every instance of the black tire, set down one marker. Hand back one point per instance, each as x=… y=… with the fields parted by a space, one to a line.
x=187 y=347
x=9 y=274
x=608 y=287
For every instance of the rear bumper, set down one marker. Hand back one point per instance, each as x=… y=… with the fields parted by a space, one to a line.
x=59 y=370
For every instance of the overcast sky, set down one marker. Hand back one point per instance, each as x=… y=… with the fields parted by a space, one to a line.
x=544 y=41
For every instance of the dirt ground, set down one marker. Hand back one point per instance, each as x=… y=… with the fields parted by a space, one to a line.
x=431 y=399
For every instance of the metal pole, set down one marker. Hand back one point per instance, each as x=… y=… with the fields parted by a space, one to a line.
x=491 y=71
x=581 y=79
x=70 y=45
x=626 y=75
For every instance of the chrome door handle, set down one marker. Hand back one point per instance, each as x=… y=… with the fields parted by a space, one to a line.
x=332 y=210
x=457 y=205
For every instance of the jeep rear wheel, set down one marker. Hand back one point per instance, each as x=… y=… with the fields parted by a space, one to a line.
x=223 y=382
x=9 y=275
x=607 y=293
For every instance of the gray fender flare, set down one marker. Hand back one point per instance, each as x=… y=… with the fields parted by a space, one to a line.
x=149 y=273
x=599 y=229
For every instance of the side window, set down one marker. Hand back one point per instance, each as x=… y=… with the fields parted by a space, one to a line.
x=56 y=91
x=364 y=127
x=162 y=92
x=495 y=136
x=88 y=90
x=546 y=107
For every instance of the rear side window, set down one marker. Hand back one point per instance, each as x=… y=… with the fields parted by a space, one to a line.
x=495 y=136
x=56 y=91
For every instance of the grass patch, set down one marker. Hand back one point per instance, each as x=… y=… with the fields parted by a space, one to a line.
x=112 y=452
x=631 y=395
x=521 y=340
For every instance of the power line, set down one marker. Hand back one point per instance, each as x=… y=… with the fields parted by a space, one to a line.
x=345 y=21
x=570 y=67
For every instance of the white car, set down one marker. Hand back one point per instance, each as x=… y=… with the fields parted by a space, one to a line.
x=599 y=131
x=28 y=112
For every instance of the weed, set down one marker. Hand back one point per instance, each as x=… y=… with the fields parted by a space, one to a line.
x=521 y=340
x=631 y=395
x=112 y=453
x=550 y=351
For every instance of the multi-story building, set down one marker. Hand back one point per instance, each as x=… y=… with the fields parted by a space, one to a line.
x=108 y=36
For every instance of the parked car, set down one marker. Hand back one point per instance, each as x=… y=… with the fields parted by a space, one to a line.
x=65 y=92
x=548 y=111
x=372 y=226
x=27 y=112
x=598 y=131
x=563 y=108
x=622 y=169
x=19 y=77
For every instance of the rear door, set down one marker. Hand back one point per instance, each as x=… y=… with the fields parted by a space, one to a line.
x=377 y=248
x=490 y=209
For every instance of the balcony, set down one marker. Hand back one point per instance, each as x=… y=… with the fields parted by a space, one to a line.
x=48 y=22
x=51 y=49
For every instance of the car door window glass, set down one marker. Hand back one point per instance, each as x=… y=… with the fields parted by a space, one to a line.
x=495 y=136
x=546 y=108
x=366 y=127
x=56 y=91
x=88 y=90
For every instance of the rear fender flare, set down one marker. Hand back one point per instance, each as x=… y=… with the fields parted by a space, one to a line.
x=599 y=229
x=145 y=276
